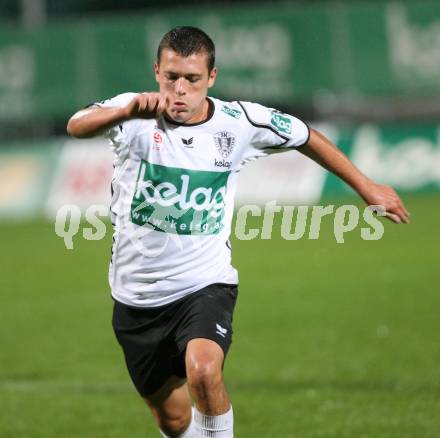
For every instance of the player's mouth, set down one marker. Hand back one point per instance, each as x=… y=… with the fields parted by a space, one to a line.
x=179 y=105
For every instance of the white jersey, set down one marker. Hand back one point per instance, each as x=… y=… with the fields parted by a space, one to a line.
x=173 y=196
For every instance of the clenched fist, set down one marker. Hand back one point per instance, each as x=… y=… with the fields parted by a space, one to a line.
x=146 y=106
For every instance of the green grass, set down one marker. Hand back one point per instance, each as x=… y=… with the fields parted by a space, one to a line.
x=331 y=340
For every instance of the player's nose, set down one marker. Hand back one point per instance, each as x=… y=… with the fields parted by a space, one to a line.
x=180 y=87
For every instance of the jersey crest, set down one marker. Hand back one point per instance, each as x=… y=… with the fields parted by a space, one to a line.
x=225 y=142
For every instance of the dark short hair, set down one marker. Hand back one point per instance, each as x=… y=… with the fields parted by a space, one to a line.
x=187 y=40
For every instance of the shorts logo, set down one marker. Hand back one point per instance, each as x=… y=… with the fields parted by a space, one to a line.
x=221 y=330
x=179 y=201
x=281 y=122
x=231 y=112
x=225 y=142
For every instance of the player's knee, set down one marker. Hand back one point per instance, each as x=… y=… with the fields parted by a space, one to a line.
x=204 y=374
x=173 y=425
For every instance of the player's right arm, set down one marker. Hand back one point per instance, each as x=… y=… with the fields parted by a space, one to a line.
x=96 y=120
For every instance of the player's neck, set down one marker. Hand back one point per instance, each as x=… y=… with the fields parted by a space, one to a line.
x=204 y=114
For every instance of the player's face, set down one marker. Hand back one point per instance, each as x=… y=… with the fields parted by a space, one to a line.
x=185 y=81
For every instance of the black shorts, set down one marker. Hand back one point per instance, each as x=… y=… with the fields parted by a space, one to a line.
x=154 y=339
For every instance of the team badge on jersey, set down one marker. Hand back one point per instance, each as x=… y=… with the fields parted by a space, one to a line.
x=225 y=142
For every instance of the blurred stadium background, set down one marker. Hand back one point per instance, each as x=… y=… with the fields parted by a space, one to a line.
x=330 y=340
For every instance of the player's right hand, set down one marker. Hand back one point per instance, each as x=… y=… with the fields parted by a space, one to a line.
x=146 y=106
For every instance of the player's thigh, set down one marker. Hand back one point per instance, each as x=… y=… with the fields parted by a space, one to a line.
x=171 y=403
x=205 y=334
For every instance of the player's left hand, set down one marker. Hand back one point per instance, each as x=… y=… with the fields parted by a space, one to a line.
x=379 y=194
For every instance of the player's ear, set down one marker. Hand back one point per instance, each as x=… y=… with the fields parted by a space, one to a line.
x=212 y=77
x=156 y=71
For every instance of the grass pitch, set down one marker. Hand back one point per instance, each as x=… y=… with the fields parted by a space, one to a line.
x=331 y=340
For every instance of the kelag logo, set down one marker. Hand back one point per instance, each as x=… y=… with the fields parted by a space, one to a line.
x=180 y=201
x=281 y=122
x=231 y=111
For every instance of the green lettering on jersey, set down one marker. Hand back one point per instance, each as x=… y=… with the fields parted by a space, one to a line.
x=282 y=122
x=231 y=112
x=179 y=201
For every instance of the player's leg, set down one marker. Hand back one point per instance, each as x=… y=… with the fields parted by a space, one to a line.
x=150 y=358
x=213 y=415
x=171 y=408
x=205 y=336
x=204 y=364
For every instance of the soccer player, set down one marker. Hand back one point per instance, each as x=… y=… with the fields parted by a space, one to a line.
x=177 y=154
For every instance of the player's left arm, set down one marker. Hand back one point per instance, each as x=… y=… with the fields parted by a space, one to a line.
x=325 y=153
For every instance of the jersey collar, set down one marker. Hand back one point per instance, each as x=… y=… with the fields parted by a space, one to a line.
x=211 y=111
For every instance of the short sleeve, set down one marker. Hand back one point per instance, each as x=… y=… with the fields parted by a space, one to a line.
x=120 y=135
x=117 y=101
x=273 y=131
